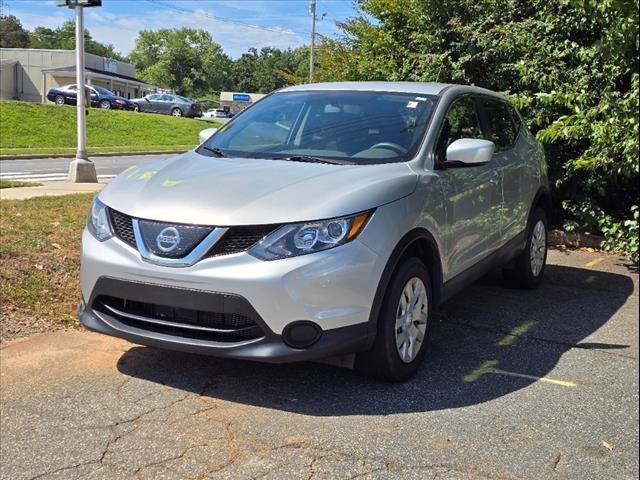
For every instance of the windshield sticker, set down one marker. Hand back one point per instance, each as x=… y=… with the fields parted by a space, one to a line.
x=412 y=104
x=421 y=99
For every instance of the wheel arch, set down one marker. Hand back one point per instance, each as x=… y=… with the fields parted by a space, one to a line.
x=542 y=200
x=420 y=243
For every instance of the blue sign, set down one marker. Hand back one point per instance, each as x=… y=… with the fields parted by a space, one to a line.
x=241 y=97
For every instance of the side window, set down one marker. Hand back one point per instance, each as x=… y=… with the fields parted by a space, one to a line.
x=461 y=122
x=167 y=98
x=154 y=98
x=72 y=88
x=499 y=123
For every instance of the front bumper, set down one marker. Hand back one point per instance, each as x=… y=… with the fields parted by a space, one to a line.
x=333 y=289
x=269 y=348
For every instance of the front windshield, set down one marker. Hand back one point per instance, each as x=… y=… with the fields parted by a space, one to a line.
x=103 y=91
x=347 y=126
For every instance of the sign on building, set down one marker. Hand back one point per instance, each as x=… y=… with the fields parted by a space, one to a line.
x=110 y=65
x=241 y=97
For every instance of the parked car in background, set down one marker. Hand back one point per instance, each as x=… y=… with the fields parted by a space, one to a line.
x=169 y=104
x=326 y=220
x=100 y=97
x=217 y=113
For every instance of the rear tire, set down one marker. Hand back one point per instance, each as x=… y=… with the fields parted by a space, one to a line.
x=106 y=104
x=528 y=268
x=404 y=325
x=136 y=107
x=59 y=100
x=176 y=112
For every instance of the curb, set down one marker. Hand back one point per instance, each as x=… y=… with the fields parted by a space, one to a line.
x=100 y=154
x=575 y=240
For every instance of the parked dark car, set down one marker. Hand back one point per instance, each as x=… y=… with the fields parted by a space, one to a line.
x=100 y=97
x=168 y=104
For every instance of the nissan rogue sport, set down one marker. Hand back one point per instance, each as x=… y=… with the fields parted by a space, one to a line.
x=325 y=220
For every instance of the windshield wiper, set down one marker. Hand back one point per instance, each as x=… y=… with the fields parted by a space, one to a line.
x=218 y=152
x=310 y=159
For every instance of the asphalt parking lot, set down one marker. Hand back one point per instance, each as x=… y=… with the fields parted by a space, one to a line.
x=537 y=384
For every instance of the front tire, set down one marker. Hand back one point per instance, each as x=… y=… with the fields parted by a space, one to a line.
x=106 y=104
x=528 y=268
x=403 y=325
x=136 y=107
x=176 y=112
x=59 y=99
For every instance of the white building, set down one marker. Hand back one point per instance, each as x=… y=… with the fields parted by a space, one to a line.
x=29 y=73
x=237 y=101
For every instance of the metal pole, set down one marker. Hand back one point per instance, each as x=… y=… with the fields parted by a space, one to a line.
x=81 y=169
x=312 y=10
x=81 y=105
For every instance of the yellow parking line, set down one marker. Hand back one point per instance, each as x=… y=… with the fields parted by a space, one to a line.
x=594 y=262
x=486 y=367
x=489 y=367
x=516 y=332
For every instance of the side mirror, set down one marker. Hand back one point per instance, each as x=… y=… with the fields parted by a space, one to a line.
x=206 y=134
x=469 y=152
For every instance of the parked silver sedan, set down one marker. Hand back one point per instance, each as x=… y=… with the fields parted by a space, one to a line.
x=168 y=104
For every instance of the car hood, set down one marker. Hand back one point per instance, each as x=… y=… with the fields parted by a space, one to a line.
x=196 y=189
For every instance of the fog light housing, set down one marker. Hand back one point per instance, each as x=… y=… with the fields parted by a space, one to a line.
x=301 y=334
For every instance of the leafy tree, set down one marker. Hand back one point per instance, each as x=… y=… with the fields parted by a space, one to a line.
x=270 y=69
x=185 y=60
x=64 y=37
x=12 y=34
x=570 y=65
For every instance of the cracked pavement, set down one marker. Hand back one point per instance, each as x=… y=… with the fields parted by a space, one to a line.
x=517 y=384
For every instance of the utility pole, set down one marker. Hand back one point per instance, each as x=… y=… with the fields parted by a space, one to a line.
x=81 y=170
x=312 y=12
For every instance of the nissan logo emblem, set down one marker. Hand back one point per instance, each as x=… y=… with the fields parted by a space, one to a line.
x=168 y=239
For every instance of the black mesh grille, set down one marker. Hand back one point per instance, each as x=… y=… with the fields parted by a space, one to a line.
x=122 y=227
x=240 y=239
x=188 y=323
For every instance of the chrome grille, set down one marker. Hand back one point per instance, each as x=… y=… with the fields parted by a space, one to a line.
x=235 y=240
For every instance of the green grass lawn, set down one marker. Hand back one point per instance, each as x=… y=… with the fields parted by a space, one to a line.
x=33 y=129
x=40 y=257
x=14 y=183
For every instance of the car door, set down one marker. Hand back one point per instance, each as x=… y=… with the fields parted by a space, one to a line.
x=165 y=104
x=472 y=195
x=150 y=103
x=70 y=94
x=94 y=95
x=500 y=127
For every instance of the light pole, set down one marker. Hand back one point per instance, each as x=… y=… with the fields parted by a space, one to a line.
x=312 y=12
x=81 y=169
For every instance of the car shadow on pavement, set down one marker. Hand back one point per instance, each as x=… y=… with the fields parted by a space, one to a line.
x=487 y=342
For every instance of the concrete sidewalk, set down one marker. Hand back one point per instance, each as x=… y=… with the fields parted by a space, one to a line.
x=50 y=189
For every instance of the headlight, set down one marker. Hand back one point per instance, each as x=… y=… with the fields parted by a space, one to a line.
x=122 y=102
x=302 y=238
x=98 y=222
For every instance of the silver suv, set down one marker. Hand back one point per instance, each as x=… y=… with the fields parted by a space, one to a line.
x=326 y=220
